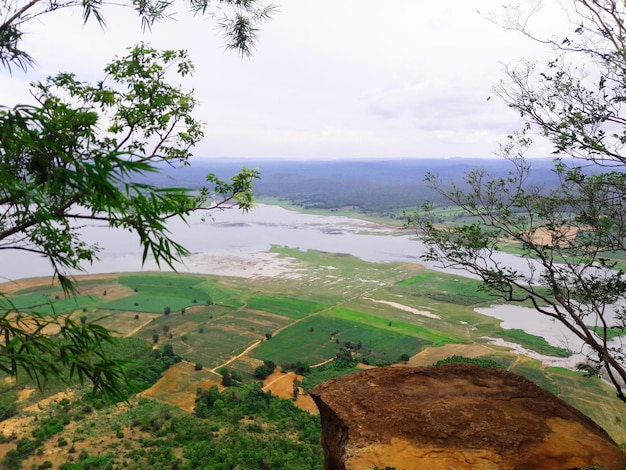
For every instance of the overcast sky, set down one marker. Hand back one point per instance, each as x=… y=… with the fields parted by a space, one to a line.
x=329 y=78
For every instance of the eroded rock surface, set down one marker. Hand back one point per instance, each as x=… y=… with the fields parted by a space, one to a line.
x=455 y=416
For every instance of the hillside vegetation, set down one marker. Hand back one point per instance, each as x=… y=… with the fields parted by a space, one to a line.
x=382 y=189
x=337 y=312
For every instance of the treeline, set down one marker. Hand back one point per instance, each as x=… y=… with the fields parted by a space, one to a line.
x=382 y=187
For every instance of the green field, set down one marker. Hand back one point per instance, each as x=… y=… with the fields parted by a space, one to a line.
x=290 y=307
x=318 y=338
x=338 y=304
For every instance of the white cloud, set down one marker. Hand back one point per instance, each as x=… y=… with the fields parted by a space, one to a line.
x=329 y=79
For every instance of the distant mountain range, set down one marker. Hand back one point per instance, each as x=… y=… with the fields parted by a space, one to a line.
x=381 y=187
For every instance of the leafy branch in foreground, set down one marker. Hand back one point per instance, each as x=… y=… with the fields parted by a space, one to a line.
x=572 y=236
x=55 y=346
x=75 y=158
x=568 y=236
x=239 y=20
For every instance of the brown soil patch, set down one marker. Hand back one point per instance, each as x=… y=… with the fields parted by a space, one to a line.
x=179 y=384
x=11 y=287
x=413 y=267
x=544 y=236
x=363 y=366
x=431 y=355
x=265 y=319
x=20 y=425
x=252 y=362
x=227 y=327
x=281 y=385
x=43 y=404
x=14 y=286
x=95 y=443
x=16 y=426
x=24 y=394
x=113 y=291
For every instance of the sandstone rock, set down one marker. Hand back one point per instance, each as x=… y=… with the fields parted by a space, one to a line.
x=455 y=416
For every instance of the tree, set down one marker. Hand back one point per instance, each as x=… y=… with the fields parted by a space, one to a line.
x=205 y=401
x=571 y=235
x=168 y=350
x=264 y=370
x=239 y=20
x=227 y=379
x=74 y=158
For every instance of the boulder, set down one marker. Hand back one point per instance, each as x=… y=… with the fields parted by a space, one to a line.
x=455 y=416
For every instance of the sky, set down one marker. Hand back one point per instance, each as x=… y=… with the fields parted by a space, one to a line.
x=329 y=79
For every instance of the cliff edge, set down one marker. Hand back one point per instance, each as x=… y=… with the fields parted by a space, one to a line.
x=455 y=416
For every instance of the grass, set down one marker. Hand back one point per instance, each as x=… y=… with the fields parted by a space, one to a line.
x=612 y=332
x=158 y=283
x=291 y=307
x=47 y=303
x=536 y=343
x=531 y=370
x=405 y=329
x=447 y=288
x=220 y=293
x=592 y=396
x=318 y=338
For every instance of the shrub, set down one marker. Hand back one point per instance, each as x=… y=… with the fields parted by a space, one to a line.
x=469 y=360
x=262 y=372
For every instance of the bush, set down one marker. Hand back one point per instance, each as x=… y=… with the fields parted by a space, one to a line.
x=198 y=366
x=469 y=360
x=262 y=372
x=168 y=350
x=227 y=380
x=265 y=370
x=11 y=460
x=299 y=367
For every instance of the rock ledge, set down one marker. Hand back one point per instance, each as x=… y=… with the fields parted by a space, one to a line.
x=456 y=416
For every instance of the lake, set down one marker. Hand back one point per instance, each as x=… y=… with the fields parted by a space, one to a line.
x=234 y=233
x=237 y=236
x=231 y=232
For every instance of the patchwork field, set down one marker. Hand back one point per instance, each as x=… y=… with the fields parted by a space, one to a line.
x=388 y=313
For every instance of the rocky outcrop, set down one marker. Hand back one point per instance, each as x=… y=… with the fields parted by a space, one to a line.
x=455 y=416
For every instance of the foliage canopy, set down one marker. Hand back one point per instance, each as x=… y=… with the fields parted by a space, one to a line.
x=74 y=158
x=571 y=236
x=238 y=19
